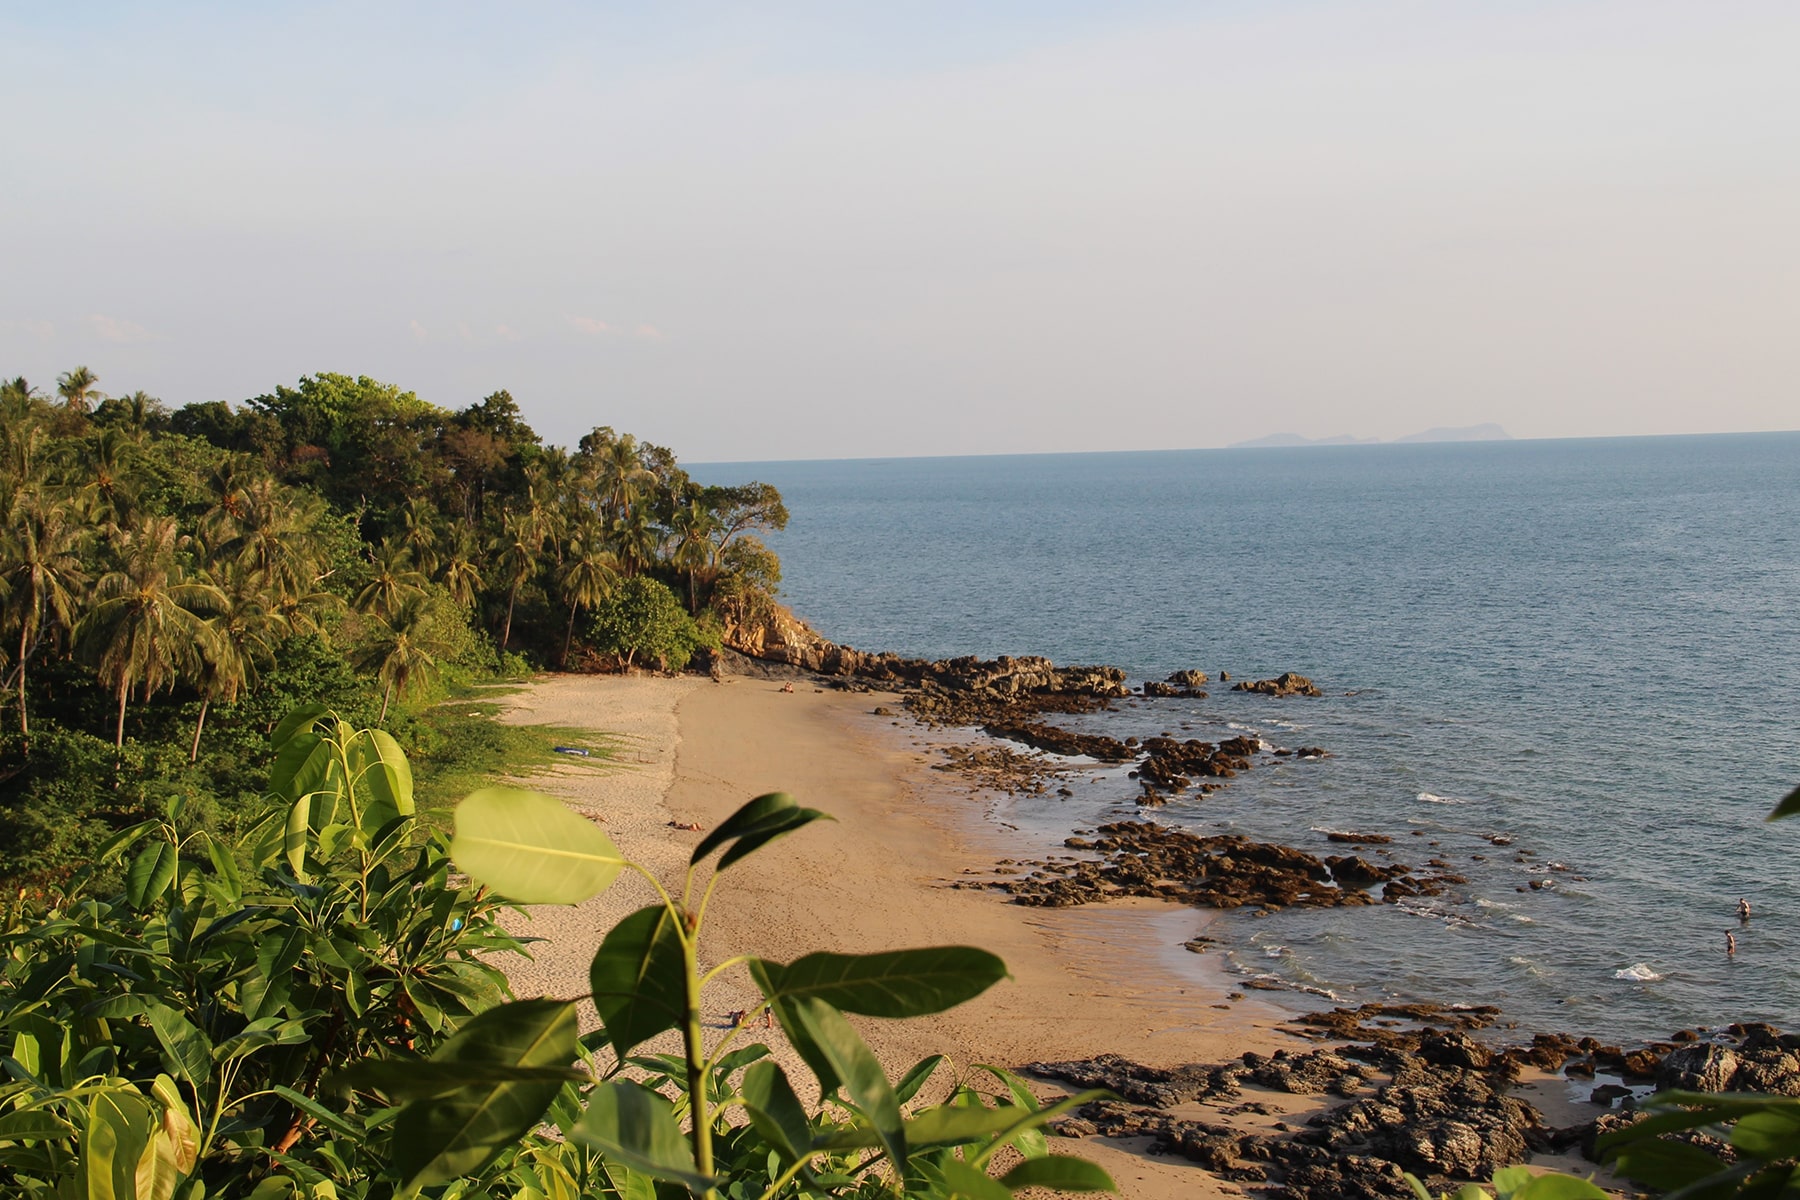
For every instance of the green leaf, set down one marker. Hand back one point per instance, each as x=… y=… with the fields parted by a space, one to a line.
x=532 y=849
x=967 y=1181
x=150 y=872
x=754 y=826
x=301 y=765
x=293 y=838
x=1032 y=1142
x=121 y=839
x=442 y=1137
x=417 y=1079
x=1665 y=1165
x=776 y=1110
x=1771 y=1134
x=1062 y=1172
x=34 y=1125
x=1554 y=1187
x=187 y=1047
x=224 y=865
x=633 y=1124
x=301 y=720
x=913 y=1080
x=1787 y=808
x=639 y=978
x=335 y=1122
x=383 y=774
x=119 y=1127
x=855 y=1064
x=892 y=983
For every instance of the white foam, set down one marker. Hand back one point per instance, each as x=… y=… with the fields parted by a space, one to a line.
x=1274 y=951
x=1431 y=798
x=1483 y=902
x=1638 y=973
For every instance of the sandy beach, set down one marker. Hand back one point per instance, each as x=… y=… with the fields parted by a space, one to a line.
x=880 y=876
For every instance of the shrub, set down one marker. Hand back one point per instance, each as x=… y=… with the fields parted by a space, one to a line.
x=643 y=620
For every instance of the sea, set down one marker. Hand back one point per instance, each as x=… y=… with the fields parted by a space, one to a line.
x=1569 y=669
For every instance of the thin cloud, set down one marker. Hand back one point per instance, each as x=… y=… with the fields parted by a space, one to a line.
x=506 y=333
x=418 y=331
x=42 y=331
x=648 y=333
x=592 y=326
x=117 y=329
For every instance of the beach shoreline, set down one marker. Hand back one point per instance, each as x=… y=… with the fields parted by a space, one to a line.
x=880 y=875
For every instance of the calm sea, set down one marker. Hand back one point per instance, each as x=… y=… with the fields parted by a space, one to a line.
x=1591 y=647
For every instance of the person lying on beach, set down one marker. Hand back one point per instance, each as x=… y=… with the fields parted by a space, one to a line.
x=787 y=687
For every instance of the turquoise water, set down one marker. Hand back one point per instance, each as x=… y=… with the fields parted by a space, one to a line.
x=1589 y=646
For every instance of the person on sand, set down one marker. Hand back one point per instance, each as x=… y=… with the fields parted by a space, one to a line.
x=1743 y=910
x=787 y=687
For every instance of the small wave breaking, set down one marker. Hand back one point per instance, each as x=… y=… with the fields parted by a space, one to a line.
x=1434 y=798
x=1638 y=973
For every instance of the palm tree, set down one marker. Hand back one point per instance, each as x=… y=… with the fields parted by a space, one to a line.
x=404 y=650
x=111 y=487
x=421 y=536
x=243 y=634
x=228 y=482
x=40 y=563
x=621 y=475
x=693 y=525
x=146 y=625
x=77 y=389
x=586 y=576
x=280 y=538
x=394 y=580
x=634 y=538
x=518 y=556
x=461 y=574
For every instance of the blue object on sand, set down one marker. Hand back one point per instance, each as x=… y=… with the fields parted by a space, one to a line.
x=573 y=750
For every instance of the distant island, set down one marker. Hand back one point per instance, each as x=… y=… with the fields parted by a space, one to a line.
x=1463 y=433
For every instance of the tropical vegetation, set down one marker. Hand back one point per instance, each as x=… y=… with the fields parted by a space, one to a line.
x=313 y=1009
x=173 y=581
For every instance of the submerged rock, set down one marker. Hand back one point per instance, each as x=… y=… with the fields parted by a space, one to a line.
x=1286 y=684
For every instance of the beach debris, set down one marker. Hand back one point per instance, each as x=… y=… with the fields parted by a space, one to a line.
x=689 y=826
x=575 y=750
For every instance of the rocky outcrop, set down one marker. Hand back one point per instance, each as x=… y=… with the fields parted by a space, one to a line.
x=1288 y=684
x=1140 y=858
x=1763 y=1060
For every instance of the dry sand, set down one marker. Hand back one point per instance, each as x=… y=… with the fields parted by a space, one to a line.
x=1083 y=981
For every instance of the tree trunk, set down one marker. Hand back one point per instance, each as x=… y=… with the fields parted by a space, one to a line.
x=24 y=725
x=119 y=735
x=693 y=600
x=569 y=636
x=385 y=697
x=506 y=630
x=194 y=754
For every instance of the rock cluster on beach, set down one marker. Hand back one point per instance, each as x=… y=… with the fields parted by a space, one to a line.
x=1407 y=1089
x=1141 y=858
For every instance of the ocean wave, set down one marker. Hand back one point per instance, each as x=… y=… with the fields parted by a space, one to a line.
x=1291 y=986
x=1274 y=951
x=1433 y=798
x=1432 y=912
x=1638 y=973
x=1483 y=902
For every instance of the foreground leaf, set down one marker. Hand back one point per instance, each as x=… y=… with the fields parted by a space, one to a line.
x=634 y=1125
x=891 y=983
x=776 y=1110
x=753 y=826
x=150 y=873
x=1061 y=1172
x=1788 y=807
x=852 y=1062
x=531 y=848
x=442 y=1137
x=638 y=978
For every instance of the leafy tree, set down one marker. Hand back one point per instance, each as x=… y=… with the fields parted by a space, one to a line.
x=403 y=650
x=78 y=389
x=145 y=627
x=394 y=580
x=41 y=567
x=586 y=575
x=642 y=619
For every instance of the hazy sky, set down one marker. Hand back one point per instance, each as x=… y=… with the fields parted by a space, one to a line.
x=824 y=230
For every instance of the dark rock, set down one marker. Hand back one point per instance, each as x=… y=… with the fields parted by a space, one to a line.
x=1606 y=1093
x=1288 y=684
x=1188 y=679
x=1698 y=1068
x=1359 y=839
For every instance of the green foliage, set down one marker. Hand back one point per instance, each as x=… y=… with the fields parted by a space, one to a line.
x=169 y=1036
x=642 y=621
x=1519 y=1183
x=311 y=1011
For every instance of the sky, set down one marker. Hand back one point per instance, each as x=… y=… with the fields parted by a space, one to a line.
x=824 y=230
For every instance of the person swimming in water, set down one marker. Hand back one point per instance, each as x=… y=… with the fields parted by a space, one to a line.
x=1743 y=910
x=1731 y=943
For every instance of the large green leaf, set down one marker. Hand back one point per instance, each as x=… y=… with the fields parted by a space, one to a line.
x=531 y=848
x=121 y=839
x=185 y=1044
x=293 y=837
x=300 y=765
x=1788 y=807
x=115 y=1149
x=301 y=720
x=639 y=978
x=629 y=1122
x=1062 y=1172
x=753 y=826
x=441 y=1137
x=856 y=1066
x=968 y=1182
x=383 y=776
x=416 y=1079
x=34 y=1125
x=891 y=983
x=150 y=872
x=776 y=1110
